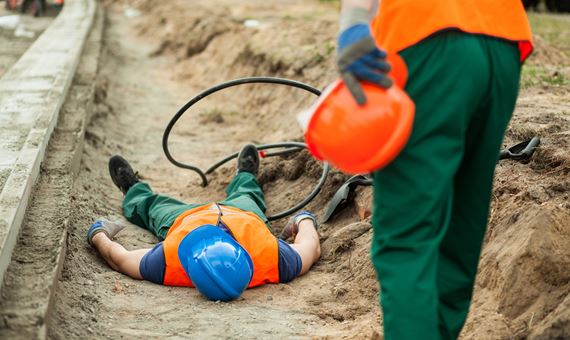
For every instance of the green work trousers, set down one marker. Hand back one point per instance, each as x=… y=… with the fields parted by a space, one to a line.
x=157 y=213
x=431 y=204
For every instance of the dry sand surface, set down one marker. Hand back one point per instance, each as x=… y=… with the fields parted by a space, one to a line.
x=153 y=63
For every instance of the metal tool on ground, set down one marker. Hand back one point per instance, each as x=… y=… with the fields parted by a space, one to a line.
x=521 y=152
x=344 y=195
x=287 y=147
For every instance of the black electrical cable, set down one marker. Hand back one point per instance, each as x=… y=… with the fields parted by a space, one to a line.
x=290 y=146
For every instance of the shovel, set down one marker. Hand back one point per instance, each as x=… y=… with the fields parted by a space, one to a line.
x=344 y=195
x=521 y=152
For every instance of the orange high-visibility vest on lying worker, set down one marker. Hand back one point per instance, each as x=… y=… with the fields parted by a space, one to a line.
x=402 y=23
x=247 y=228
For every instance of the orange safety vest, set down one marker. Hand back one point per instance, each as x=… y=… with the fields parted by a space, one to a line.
x=402 y=23
x=249 y=231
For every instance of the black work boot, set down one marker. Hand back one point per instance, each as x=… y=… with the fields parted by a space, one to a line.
x=248 y=159
x=122 y=173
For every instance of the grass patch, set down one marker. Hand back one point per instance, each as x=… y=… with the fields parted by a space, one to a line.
x=540 y=76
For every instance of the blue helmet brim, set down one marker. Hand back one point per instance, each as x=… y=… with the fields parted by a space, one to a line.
x=193 y=256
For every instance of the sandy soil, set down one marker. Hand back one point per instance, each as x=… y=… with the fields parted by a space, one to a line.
x=153 y=63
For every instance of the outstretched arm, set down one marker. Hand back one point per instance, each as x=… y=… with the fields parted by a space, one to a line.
x=118 y=258
x=307 y=245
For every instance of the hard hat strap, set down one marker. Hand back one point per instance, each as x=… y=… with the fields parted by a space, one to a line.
x=220 y=223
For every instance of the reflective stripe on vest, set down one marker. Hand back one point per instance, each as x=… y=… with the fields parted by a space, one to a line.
x=249 y=231
x=402 y=23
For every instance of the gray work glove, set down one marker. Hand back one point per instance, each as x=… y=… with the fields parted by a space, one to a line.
x=102 y=225
x=292 y=227
x=358 y=57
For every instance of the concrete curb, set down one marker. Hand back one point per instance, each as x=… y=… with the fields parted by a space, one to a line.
x=27 y=298
x=32 y=93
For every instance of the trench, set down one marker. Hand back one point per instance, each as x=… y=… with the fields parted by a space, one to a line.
x=136 y=94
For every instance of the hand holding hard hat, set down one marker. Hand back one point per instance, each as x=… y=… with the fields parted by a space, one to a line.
x=360 y=138
x=359 y=59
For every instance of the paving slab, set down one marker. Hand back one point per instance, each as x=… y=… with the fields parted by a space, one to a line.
x=27 y=296
x=41 y=76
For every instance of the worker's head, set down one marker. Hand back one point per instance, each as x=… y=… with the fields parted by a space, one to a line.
x=219 y=267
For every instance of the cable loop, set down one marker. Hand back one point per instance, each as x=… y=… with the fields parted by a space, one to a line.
x=290 y=146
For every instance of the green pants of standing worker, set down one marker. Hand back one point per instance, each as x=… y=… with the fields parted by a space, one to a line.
x=157 y=213
x=431 y=204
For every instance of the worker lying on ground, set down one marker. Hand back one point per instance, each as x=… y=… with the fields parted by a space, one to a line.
x=220 y=248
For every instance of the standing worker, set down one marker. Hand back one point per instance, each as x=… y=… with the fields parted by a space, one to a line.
x=431 y=203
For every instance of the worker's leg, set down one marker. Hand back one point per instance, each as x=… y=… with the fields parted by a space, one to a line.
x=461 y=247
x=151 y=211
x=413 y=196
x=245 y=193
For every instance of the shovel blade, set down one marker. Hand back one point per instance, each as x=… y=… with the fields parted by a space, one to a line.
x=343 y=195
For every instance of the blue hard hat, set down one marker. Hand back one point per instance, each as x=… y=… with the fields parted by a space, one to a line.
x=219 y=267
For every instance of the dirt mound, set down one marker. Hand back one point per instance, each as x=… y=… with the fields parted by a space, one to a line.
x=546 y=53
x=523 y=287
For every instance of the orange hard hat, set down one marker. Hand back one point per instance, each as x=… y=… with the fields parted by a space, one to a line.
x=359 y=139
